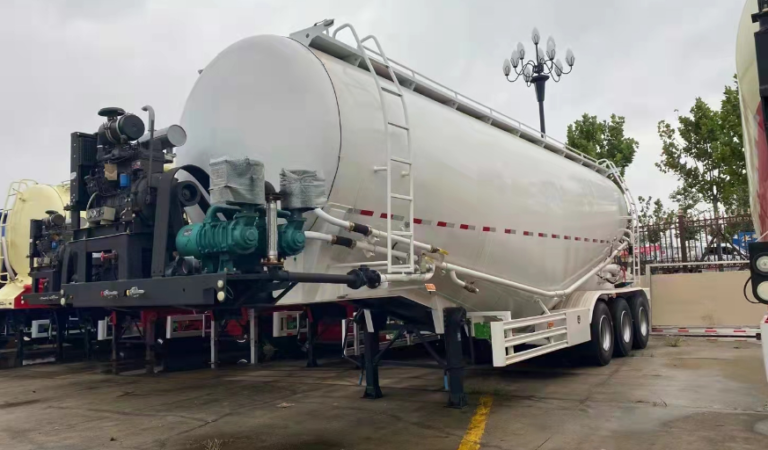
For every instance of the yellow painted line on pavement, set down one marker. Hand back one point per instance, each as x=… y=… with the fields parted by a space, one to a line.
x=476 y=426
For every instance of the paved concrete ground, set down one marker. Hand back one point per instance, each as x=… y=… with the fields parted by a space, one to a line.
x=702 y=395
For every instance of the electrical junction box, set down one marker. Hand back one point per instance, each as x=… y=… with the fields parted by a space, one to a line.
x=40 y=329
x=482 y=330
x=286 y=323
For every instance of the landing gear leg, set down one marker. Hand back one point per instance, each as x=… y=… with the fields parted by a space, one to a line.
x=150 y=319
x=85 y=327
x=454 y=322
x=61 y=332
x=117 y=334
x=18 y=324
x=214 y=341
x=371 y=348
x=311 y=338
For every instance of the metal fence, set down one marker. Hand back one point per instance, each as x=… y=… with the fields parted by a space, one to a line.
x=695 y=240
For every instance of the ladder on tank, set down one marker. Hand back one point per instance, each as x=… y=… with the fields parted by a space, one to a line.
x=16 y=187
x=407 y=160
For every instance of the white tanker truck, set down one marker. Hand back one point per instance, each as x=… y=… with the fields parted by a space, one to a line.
x=748 y=59
x=468 y=209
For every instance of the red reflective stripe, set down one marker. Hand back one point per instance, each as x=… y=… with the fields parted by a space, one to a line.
x=739 y=331
x=486 y=228
x=365 y=212
x=527 y=233
x=577 y=239
x=567 y=238
x=442 y=224
x=594 y=240
x=417 y=221
x=464 y=226
x=555 y=236
x=383 y=216
x=710 y=330
x=542 y=235
x=682 y=330
x=509 y=231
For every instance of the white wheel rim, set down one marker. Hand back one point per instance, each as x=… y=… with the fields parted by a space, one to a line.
x=643 y=321
x=626 y=326
x=606 y=334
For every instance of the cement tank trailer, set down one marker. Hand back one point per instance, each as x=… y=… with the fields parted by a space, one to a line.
x=472 y=215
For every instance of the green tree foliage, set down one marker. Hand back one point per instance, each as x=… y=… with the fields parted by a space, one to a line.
x=706 y=154
x=654 y=218
x=603 y=140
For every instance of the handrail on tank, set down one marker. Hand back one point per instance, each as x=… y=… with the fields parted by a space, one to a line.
x=532 y=135
x=456 y=95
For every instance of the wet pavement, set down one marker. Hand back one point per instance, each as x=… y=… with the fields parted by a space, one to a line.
x=700 y=395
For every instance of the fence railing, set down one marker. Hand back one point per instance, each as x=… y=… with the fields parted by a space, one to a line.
x=695 y=240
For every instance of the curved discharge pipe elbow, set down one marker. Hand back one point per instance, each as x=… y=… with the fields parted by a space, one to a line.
x=464 y=285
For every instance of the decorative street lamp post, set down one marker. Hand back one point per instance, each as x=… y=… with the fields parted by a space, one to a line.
x=538 y=70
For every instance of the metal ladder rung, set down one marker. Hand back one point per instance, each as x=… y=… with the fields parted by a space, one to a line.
x=390 y=91
x=400 y=160
x=402 y=127
x=397 y=92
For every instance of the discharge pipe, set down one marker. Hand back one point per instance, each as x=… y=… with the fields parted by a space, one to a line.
x=151 y=112
x=366 y=230
x=531 y=289
x=351 y=243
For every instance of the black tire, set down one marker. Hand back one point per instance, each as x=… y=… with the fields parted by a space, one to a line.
x=622 y=327
x=641 y=320
x=600 y=349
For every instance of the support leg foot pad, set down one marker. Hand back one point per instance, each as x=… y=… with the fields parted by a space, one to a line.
x=372 y=393
x=457 y=401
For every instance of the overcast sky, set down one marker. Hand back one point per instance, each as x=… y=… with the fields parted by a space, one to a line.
x=62 y=60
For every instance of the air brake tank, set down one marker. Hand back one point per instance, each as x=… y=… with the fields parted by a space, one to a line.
x=498 y=203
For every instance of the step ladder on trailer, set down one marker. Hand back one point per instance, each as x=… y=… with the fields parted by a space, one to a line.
x=394 y=159
x=547 y=333
x=16 y=187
